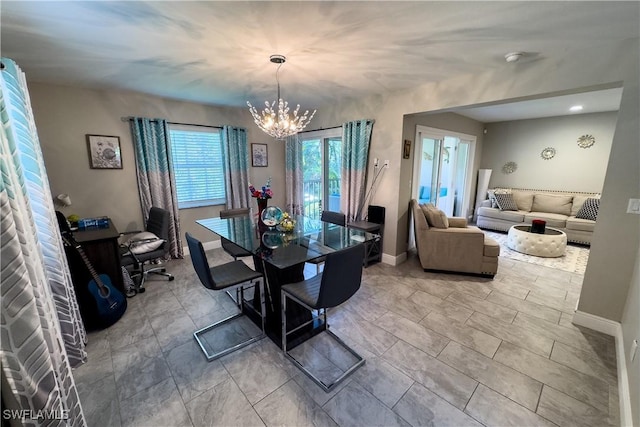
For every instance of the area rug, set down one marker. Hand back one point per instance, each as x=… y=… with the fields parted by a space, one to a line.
x=574 y=260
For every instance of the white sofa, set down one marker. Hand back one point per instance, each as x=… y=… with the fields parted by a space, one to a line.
x=558 y=209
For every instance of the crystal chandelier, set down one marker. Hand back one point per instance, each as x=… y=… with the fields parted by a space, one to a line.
x=277 y=123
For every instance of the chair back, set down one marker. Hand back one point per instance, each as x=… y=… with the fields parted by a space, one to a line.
x=228 y=213
x=158 y=223
x=199 y=260
x=334 y=217
x=341 y=276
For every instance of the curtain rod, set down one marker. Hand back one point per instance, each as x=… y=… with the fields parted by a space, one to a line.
x=316 y=130
x=128 y=119
x=334 y=127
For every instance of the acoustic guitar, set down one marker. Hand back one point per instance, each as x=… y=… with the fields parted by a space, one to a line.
x=110 y=302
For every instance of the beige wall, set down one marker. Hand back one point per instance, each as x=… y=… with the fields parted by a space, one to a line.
x=572 y=169
x=64 y=115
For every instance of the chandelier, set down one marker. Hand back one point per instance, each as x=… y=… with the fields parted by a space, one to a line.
x=278 y=124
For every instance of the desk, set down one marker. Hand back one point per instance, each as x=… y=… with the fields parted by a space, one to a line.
x=281 y=258
x=101 y=247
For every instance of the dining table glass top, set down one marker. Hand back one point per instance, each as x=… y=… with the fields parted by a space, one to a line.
x=310 y=238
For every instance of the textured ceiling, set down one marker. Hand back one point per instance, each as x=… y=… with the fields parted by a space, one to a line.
x=217 y=52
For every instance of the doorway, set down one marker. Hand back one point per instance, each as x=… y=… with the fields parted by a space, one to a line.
x=442 y=172
x=322 y=163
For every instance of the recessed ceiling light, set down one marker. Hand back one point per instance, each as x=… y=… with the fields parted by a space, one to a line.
x=576 y=108
x=513 y=56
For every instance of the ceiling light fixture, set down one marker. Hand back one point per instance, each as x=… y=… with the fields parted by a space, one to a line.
x=277 y=123
x=513 y=56
x=576 y=108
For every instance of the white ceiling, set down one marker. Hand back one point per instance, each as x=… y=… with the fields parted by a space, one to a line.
x=591 y=102
x=218 y=52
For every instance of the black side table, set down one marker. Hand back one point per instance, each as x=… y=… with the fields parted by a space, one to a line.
x=373 y=248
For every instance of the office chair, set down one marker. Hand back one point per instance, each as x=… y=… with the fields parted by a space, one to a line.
x=339 y=281
x=334 y=218
x=234 y=274
x=229 y=247
x=138 y=253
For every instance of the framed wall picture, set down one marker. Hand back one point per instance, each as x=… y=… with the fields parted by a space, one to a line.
x=104 y=152
x=259 y=157
x=406 y=149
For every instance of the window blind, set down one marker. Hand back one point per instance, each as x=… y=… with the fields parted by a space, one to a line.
x=198 y=166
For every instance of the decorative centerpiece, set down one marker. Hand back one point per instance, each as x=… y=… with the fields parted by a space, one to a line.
x=287 y=224
x=262 y=195
x=271 y=216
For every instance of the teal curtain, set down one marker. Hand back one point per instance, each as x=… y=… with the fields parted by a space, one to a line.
x=236 y=164
x=155 y=176
x=356 y=138
x=293 y=175
x=42 y=333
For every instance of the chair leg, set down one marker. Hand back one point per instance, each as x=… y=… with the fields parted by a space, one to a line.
x=212 y=356
x=326 y=387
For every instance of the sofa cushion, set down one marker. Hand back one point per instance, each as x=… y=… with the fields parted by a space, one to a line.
x=506 y=202
x=578 y=224
x=513 y=216
x=524 y=200
x=437 y=218
x=552 y=203
x=425 y=209
x=553 y=220
x=589 y=209
x=578 y=201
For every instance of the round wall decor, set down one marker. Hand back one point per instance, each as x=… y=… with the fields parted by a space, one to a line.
x=509 y=167
x=548 y=153
x=586 y=141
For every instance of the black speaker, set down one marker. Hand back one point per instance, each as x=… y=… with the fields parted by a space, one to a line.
x=375 y=214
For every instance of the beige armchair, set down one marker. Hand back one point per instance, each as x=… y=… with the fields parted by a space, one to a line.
x=459 y=247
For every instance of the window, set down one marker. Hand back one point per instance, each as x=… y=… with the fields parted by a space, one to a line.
x=198 y=165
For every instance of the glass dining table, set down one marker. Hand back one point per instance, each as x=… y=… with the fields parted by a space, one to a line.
x=281 y=257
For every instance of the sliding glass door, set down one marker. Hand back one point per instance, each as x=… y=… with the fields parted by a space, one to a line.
x=322 y=164
x=442 y=173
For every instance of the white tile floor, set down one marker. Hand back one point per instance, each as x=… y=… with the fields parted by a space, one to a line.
x=441 y=349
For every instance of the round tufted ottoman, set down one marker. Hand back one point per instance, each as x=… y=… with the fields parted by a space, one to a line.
x=549 y=245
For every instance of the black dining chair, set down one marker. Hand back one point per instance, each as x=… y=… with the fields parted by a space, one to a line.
x=339 y=281
x=229 y=247
x=234 y=274
x=334 y=218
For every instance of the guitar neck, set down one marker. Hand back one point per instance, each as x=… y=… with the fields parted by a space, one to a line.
x=85 y=259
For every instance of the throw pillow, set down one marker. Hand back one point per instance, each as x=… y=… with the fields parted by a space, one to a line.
x=506 y=202
x=425 y=207
x=578 y=201
x=437 y=218
x=589 y=209
x=492 y=195
x=144 y=242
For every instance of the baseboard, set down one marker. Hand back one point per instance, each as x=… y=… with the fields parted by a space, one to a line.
x=394 y=260
x=614 y=329
x=213 y=244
